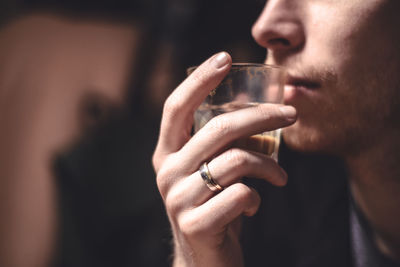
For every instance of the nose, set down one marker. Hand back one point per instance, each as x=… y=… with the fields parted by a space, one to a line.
x=279 y=26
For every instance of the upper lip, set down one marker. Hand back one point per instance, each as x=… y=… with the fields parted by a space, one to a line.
x=302 y=82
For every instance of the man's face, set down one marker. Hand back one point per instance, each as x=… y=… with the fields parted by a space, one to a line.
x=343 y=60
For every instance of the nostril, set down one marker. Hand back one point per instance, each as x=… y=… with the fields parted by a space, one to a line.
x=278 y=42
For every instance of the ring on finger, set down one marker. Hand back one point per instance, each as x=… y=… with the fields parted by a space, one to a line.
x=208 y=179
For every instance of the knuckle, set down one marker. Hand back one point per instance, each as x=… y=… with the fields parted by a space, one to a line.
x=167 y=175
x=171 y=206
x=189 y=226
x=161 y=185
x=243 y=193
x=173 y=203
x=155 y=160
x=172 y=105
x=163 y=181
x=237 y=158
x=219 y=126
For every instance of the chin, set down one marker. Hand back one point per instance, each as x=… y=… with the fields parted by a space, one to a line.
x=308 y=140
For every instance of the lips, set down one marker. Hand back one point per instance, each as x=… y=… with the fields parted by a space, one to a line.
x=298 y=82
x=297 y=87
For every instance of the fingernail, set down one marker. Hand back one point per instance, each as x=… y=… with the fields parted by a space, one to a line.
x=289 y=112
x=220 y=60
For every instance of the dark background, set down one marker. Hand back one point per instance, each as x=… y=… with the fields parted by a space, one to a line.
x=109 y=208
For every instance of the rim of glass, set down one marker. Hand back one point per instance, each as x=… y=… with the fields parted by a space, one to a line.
x=245 y=64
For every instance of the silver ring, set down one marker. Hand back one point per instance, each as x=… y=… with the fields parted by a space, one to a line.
x=208 y=179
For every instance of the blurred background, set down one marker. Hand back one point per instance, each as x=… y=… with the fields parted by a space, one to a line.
x=82 y=84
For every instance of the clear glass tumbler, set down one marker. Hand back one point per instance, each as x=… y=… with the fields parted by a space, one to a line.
x=246 y=85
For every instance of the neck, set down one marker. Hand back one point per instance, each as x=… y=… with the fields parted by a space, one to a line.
x=374 y=176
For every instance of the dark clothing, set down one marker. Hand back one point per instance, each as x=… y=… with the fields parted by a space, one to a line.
x=365 y=253
x=304 y=223
x=111 y=214
x=312 y=222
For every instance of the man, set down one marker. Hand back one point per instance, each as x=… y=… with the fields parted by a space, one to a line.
x=342 y=99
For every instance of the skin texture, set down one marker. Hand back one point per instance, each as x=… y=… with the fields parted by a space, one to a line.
x=351 y=49
x=346 y=54
x=205 y=225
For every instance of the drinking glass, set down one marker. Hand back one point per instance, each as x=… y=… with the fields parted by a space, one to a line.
x=246 y=85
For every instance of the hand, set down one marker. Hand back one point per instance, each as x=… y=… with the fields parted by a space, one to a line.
x=206 y=225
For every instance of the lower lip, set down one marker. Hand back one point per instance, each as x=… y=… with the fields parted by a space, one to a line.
x=293 y=92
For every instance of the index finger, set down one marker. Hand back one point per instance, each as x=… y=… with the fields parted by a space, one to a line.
x=179 y=108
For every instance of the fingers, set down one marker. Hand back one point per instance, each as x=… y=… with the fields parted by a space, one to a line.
x=216 y=135
x=181 y=104
x=236 y=163
x=226 y=169
x=194 y=210
x=212 y=218
x=222 y=130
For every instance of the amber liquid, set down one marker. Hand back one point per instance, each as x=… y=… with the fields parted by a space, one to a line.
x=267 y=143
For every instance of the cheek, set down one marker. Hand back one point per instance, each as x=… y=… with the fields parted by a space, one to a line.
x=336 y=35
x=365 y=95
